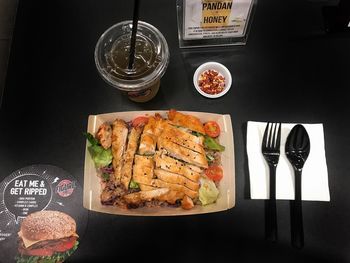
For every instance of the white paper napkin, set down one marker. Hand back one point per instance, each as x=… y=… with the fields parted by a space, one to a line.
x=314 y=176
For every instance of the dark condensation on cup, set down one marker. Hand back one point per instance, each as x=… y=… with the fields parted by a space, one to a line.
x=142 y=82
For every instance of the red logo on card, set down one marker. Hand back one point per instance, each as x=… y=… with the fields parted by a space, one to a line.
x=65 y=188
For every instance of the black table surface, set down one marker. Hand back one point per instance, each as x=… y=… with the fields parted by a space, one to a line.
x=289 y=71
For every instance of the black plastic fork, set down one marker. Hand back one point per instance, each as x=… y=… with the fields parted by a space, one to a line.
x=270 y=149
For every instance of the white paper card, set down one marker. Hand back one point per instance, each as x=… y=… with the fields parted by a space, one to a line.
x=208 y=19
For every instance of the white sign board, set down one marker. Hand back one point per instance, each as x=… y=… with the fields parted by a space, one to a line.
x=205 y=22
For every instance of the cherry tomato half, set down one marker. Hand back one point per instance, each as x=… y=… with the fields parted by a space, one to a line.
x=214 y=173
x=212 y=129
x=138 y=121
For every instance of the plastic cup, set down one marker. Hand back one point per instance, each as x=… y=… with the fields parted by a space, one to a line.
x=142 y=82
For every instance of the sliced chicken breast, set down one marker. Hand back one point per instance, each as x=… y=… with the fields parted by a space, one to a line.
x=145 y=187
x=142 y=196
x=195 y=168
x=183 y=133
x=185 y=120
x=176 y=179
x=182 y=138
x=172 y=196
x=119 y=136
x=143 y=167
x=182 y=153
x=170 y=164
x=104 y=135
x=162 y=184
x=147 y=144
x=126 y=172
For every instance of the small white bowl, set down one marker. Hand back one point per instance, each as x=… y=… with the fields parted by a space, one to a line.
x=217 y=67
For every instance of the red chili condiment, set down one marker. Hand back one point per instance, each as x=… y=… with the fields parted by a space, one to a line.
x=211 y=82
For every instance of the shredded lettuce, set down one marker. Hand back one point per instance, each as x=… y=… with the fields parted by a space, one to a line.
x=209 y=158
x=208 y=193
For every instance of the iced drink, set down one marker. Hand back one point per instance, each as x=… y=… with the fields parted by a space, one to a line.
x=141 y=83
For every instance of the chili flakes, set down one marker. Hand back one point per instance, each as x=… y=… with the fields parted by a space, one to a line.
x=211 y=82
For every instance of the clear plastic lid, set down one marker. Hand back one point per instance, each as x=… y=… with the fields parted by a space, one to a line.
x=112 y=56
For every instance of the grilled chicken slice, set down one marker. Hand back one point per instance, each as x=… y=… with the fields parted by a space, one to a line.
x=151 y=125
x=194 y=168
x=182 y=138
x=162 y=184
x=142 y=196
x=143 y=167
x=119 y=136
x=187 y=203
x=185 y=120
x=186 y=132
x=170 y=164
x=172 y=196
x=145 y=187
x=148 y=138
x=133 y=140
x=104 y=135
x=147 y=144
x=151 y=131
x=176 y=179
x=182 y=153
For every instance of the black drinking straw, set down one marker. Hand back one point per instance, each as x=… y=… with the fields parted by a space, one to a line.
x=133 y=34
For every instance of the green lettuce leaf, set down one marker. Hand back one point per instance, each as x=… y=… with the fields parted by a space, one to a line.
x=211 y=144
x=92 y=140
x=101 y=157
x=208 y=193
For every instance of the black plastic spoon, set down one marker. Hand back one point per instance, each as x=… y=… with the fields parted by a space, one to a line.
x=297 y=150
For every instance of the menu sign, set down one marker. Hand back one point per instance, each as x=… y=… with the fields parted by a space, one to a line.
x=210 y=22
x=41 y=215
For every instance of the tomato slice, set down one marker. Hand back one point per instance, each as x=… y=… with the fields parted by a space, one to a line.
x=138 y=121
x=64 y=246
x=212 y=129
x=214 y=173
x=40 y=252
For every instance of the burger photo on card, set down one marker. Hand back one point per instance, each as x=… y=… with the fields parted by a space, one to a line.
x=47 y=236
